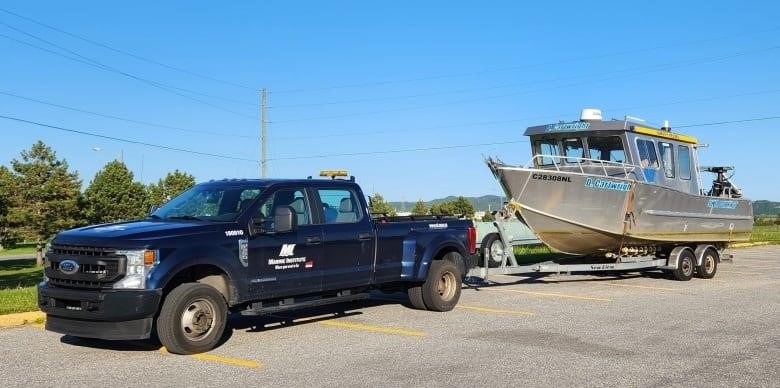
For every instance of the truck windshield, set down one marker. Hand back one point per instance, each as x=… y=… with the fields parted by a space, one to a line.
x=209 y=203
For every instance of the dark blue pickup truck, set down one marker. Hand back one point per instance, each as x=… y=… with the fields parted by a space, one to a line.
x=245 y=246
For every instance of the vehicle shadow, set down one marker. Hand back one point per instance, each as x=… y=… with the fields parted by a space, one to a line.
x=573 y=277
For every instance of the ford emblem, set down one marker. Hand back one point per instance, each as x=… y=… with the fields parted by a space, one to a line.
x=69 y=267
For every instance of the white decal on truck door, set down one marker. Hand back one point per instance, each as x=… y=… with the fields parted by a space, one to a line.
x=287 y=250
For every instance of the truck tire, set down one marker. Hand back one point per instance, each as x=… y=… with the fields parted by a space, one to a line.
x=493 y=249
x=192 y=319
x=416 y=298
x=709 y=264
x=686 y=266
x=441 y=289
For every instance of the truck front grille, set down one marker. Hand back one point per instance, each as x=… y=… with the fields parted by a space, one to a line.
x=97 y=267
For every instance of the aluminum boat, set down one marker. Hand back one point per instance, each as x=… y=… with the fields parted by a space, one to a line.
x=621 y=187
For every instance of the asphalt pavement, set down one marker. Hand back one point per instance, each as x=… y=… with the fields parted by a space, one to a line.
x=628 y=330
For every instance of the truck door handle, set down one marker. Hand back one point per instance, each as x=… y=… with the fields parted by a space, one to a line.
x=365 y=236
x=313 y=240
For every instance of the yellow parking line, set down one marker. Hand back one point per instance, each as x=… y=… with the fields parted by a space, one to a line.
x=742 y=273
x=553 y=295
x=365 y=327
x=221 y=359
x=636 y=286
x=492 y=310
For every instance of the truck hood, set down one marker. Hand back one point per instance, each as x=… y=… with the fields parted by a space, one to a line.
x=135 y=233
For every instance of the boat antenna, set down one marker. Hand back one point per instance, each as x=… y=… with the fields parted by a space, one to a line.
x=666 y=126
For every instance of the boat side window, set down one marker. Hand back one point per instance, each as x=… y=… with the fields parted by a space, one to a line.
x=606 y=148
x=548 y=148
x=684 y=159
x=573 y=150
x=667 y=158
x=647 y=155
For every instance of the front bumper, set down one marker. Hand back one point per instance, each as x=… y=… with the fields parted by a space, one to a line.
x=105 y=314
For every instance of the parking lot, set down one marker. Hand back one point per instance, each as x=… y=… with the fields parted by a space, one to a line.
x=580 y=330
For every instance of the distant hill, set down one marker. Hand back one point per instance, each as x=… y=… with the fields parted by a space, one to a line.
x=493 y=202
x=482 y=203
x=766 y=208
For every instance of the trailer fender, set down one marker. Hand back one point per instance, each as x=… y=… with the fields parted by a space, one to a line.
x=699 y=252
x=674 y=257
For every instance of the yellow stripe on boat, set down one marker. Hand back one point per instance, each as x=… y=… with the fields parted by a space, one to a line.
x=665 y=134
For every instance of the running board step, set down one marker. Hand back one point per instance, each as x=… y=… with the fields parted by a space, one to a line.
x=289 y=304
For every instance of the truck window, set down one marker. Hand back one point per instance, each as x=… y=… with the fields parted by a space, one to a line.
x=295 y=198
x=339 y=206
x=209 y=203
x=606 y=148
x=667 y=158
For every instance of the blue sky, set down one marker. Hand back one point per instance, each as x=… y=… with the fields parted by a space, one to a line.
x=408 y=96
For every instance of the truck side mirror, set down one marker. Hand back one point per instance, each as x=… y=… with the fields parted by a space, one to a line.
x=285 y=219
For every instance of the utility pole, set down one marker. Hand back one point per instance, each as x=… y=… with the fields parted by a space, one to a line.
x=263 y=134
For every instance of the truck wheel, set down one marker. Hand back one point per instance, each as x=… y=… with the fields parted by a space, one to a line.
x=686 y=266
x=494 y=249
x=192 y=319
x=416 y=298
x=441 y=289
x=709 y=264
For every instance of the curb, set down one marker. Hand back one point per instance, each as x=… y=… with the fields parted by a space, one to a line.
x=748 y=244
x=20 y=319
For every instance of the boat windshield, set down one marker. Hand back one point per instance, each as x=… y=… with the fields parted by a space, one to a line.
x=209 y=203
x=607 y=148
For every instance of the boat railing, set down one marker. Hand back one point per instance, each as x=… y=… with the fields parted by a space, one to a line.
x=592 y=166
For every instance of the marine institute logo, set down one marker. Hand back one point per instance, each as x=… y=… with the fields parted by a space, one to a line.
x=287 y=250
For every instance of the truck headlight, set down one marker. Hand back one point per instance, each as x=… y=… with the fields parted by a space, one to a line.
x=139 y=263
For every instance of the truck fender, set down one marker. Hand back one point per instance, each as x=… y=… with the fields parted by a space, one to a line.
x=699 y=252
x=189 y=257
x=674 y=257
x=434 y=249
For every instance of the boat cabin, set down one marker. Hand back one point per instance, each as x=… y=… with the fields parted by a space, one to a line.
x=618 y=148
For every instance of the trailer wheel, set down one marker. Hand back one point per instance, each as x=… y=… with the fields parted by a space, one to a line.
x=493 y=249
x=441 y=289
x=416 y=298
x=192 y=319
x=709 y=264
x=686 y=266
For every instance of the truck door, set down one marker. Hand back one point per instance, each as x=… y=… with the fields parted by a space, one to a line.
x=286 y=263
x=349 y=239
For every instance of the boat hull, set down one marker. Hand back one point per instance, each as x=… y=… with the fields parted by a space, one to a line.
x=580 y=213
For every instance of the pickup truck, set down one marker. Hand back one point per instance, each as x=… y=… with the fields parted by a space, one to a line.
x=245 y=246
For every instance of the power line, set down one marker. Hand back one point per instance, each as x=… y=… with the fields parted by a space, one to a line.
x=729 y=122
x=124 y=118
x=97 y=64
x=525 y=66
x=399 y=150
x=127 y=140
x=486 y=144
x=114 y=49
x=637 y=72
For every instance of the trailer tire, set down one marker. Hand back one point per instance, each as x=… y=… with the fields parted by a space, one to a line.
x=441 y=290
x=192 y=319
x=686 y=266
x=709 y=264
x=416 y=298
x=493 y=249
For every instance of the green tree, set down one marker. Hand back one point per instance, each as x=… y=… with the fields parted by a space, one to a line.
x=113 y=195
x=463 y=207
x=488 y=217
x=47 y=197
x=6 y=188
x=419 y=208
x=172 y=185
x=442 y=209
x=378 y=205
